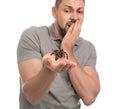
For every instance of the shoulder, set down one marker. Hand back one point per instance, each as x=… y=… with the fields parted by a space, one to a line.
x=85 y=43
x=35 y=29
x=34 y=32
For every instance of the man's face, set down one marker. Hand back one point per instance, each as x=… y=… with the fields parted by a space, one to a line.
x=68 y=12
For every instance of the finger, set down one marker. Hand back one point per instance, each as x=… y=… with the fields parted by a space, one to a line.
x=70 y=29
x=76 y=31
x=61 y=64
x=58 y=65
x=77 y=27
x=69 y=65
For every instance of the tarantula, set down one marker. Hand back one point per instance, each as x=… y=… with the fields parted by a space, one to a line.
x=59 y=54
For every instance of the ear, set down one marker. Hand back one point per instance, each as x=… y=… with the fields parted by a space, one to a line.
x=54 y=12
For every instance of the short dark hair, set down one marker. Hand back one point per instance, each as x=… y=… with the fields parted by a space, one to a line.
x=57 y=3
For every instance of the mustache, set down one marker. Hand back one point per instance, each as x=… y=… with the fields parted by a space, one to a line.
x=70 y=22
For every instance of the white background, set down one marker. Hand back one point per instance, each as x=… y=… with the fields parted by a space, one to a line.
x=101 y=26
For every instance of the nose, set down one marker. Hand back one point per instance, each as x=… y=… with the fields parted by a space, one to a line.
x=74 y=16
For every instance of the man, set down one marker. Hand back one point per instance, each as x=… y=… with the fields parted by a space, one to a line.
x=50 y=83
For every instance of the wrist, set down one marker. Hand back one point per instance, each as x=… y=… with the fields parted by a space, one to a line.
x=66 y=49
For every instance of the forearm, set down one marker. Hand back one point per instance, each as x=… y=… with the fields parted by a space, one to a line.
x=39 y=85
x=85 y=86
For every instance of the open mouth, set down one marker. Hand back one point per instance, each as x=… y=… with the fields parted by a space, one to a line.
x=70 y=23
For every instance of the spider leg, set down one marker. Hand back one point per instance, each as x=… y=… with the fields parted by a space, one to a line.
x=66 y=55
x=51 y=53
x=56 y=58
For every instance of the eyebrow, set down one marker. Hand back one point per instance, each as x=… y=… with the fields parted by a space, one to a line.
x=72 y=8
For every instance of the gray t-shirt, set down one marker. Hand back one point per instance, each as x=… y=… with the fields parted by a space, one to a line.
x=35 y=42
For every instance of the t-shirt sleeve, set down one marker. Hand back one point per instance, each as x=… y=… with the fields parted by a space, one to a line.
x=92 y=56
x=28 y=46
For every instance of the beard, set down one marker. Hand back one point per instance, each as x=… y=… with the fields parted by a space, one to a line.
x=64 y=30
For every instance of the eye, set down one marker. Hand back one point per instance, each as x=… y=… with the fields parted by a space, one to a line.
x=80 y=12
x=67 y=10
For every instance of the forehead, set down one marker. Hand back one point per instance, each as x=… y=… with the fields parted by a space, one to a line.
x=73 y=3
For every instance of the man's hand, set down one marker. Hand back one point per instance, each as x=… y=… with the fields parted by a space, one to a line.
x=62 y=64
x=71 y=36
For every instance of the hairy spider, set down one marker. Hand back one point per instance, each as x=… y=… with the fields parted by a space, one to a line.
x=59 y=54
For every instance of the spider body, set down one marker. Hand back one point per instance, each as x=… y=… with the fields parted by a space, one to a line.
x=60 y=54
